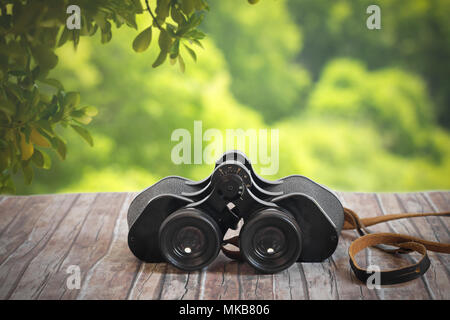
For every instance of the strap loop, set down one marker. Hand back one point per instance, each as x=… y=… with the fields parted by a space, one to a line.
x=232 y=254
x=402 y=243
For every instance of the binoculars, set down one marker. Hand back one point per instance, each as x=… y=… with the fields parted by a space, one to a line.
x=183 y=222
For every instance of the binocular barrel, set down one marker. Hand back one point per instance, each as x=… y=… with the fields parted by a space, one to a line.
x=183 y=222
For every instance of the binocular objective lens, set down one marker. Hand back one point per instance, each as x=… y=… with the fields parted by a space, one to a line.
x=189 y=240
x=269 y=242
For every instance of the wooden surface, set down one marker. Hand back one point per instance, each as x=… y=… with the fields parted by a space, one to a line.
x=41 y=236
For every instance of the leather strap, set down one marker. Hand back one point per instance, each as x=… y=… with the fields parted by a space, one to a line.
x=402 y=244
x=232 y=254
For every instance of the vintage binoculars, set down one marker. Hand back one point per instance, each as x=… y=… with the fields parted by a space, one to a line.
x=183 y=222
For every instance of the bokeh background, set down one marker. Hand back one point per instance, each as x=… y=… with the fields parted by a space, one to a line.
x=356 y=109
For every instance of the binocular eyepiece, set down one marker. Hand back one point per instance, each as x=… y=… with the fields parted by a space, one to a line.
x=184 y=222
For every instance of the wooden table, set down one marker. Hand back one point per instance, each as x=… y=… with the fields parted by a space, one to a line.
x=42 y=236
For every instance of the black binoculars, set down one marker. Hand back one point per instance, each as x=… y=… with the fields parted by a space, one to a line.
x=183 y=222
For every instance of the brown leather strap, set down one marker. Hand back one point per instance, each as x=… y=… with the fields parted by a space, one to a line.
x=403 y=244
x=232 y=254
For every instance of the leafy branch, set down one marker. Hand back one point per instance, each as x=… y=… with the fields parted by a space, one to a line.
x=33 y=105
x=151 y=13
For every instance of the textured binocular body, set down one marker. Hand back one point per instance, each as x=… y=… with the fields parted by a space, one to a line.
x=183 y=222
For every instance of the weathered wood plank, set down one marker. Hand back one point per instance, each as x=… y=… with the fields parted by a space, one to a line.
x=163 y=281
x=117 y=269
x=349 y=287
x=439 y=201
x=320 y=280
x=298 y=285
x=366 y=205
x=438 y=275
x=18 y=216
x=230 y=289
x=40 y=236
x=175 y=282
x=28 y=235
x=149 y=282
x=440 y=225
x=333 y=278
x=47 y=262
x=10 y=209
x=213 y=279
x=90 y=245
x=282 y=289
x=416 y=289
x=192 y=286
x=264 y=287
x=248 y=279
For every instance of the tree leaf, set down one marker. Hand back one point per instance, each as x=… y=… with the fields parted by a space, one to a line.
x=181 y=62
x=71 y=100
x=90 y=111
x=175 y=50
x=143 y=40
x=106 y=36
x=47 y=160
x=44 y=57
x=46 y=127
x=65 y=35
x=53 y=82
x=177 y=16
x=26 y=148
x=84 y=134
x=38 y=158
x=160 y=60
x=60 y=147
x=187 y=6
x=164 y=41
x=84 y=119
x=39 y=139
x=162 y=10
x=191 y=53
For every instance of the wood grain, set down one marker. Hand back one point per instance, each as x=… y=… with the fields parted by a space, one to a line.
x=28 y=235
x=42 y=236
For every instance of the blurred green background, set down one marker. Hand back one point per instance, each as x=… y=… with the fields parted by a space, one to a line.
x=356 y=109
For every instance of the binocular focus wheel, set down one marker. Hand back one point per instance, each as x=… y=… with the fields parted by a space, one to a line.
x=189 y=239
x=270 y=240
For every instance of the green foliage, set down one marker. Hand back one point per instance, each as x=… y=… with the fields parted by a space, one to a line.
x=177 y=22
x=260 y=45
x=351 y=125
x=414 y=35
x=33 y=104
x=393 y=101
x=349 y=155
x=138 y=114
